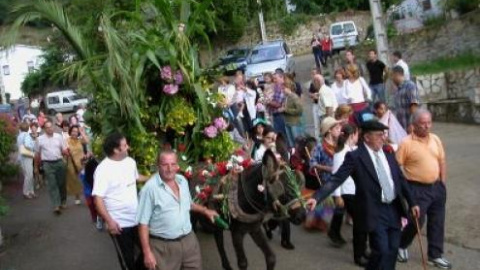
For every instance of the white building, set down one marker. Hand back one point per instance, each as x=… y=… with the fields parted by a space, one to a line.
x=15 y=64
x=410 y=14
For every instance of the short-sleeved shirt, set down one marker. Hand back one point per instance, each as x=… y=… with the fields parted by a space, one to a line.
x=406 y=95
x=376 y=69
x=421 y=158
x=50 y=147
x=321 y=157
x=166 y=215
x=116 y=183
x=327 y=99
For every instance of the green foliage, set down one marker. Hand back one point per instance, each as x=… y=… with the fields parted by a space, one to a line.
x=3 y=207
x=434 y=21
x=8 y=133
x=289 y=24
x=460 y=62
x=462 y=6
x=219 y=148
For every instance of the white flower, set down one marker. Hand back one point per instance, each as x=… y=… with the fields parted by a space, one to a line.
x=205 y=173
x=189 y=169
x=184 y=158
x=260 y=188
x=197 y=189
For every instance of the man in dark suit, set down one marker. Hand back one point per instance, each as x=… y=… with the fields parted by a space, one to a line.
x=380 y=190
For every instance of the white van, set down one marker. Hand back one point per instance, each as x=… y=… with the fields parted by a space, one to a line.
x=64 y=101
x=343 y=34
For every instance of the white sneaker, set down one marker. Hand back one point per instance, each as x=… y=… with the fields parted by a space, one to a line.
x=440 y=263
x=78 y=202
x=402 y=255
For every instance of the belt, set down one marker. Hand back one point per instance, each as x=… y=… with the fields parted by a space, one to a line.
x=416 y=183
x=52 y=161
x=168 y=239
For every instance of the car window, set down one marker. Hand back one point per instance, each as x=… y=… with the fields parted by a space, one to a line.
x=337 y=29
x=75 y=97
x=53 y=100
x=65 y=100
x=349 y=28
x=237 y=52
x=286 y=49
x=266 y=54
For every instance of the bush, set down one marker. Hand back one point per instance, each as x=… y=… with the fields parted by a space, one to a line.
x=290 y=23
x=8 y=132
x=463 y=6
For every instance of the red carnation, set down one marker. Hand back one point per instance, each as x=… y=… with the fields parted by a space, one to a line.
x=222 y=168
x=240 y=152
x=202 y=196
x=207 y=190
x=388 y=148
x=247 y=163
x=182 y=147
x=188 y=174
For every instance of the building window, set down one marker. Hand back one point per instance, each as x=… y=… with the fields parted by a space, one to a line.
x=30 y=66
x=6 y=70
x=427 y=5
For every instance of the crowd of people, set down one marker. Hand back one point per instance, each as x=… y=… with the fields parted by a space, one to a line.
x=361 y=161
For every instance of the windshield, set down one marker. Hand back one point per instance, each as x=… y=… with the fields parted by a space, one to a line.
x=266 y=54
x=337 y=29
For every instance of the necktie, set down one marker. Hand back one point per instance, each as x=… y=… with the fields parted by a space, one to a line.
x=387 y=189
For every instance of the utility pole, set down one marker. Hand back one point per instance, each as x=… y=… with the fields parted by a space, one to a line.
x=380 y=30
x=2 y=89
x=263 y=31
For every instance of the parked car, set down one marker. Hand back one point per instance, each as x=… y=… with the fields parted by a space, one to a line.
x=64 y=101
x=343 y=34
x=235 y=59
x=267 y=57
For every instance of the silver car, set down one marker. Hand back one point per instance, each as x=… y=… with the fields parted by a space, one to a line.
x=267 y=57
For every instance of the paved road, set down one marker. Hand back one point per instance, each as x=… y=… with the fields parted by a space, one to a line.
x=38 y=240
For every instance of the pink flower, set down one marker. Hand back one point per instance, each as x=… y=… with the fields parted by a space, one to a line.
x=220 y=123
x=178 y=77
x=170 y=89
x=210 y=131
x=166 y=73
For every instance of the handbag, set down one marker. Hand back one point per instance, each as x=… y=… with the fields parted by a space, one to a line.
x=25 y=152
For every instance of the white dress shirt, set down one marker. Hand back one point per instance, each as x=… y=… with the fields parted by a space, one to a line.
x=348 y=187
x=384 y=161
x=326 y=99
x=406 y=69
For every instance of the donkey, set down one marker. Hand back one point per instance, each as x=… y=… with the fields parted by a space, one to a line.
x=261 y=190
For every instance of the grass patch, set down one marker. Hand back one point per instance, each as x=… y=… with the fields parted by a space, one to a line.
x=460 y=62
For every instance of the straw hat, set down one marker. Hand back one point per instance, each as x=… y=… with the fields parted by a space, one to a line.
x=327 y=124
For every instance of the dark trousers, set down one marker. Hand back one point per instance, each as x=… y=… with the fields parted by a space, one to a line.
x=127 y=246
x=325 y=56
x=317 y=54
x=385 y=239
x=431 y=199
x=359 y=237
x=55 y=176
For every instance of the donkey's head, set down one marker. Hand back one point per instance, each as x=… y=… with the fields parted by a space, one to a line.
x=283 y=188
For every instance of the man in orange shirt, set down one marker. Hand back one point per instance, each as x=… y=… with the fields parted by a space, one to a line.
x=422 y=158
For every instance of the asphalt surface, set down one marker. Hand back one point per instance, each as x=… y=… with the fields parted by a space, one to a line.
x=36 y=239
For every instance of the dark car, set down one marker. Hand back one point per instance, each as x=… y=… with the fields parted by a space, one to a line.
x=235 y=59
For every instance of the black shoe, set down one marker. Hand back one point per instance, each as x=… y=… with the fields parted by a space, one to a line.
x=287 y=245
x=362 y=261
x=336 y=240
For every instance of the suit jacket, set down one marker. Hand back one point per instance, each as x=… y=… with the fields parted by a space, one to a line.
x=368 y=196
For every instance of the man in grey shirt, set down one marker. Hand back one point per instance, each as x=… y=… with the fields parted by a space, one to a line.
x=50 y=149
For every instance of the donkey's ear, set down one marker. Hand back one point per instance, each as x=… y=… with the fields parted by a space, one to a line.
x=270 y=164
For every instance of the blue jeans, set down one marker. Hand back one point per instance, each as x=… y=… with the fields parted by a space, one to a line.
x=279 y=124
x=317 y=54
x=378 y=92
x=293 y=131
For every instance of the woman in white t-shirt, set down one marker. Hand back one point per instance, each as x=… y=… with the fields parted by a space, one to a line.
x=357 y=90
x=338 y=87
x=345 y=196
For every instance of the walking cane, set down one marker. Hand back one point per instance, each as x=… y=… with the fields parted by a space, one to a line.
x=419 y=237
x=119 y=253
x=314 y=169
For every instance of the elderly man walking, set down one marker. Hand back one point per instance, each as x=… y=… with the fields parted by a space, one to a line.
x=115 y=197
x=422 y=158
x=50 y=149
x=166 y=235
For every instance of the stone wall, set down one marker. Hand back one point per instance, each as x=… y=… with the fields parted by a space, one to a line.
x=453 y=96
x=454 y=37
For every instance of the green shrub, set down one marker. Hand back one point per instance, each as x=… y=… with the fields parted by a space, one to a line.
x=463 y=6
x=290 y=23
x=460 y=62
x=433 y=21
x=8 y=132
